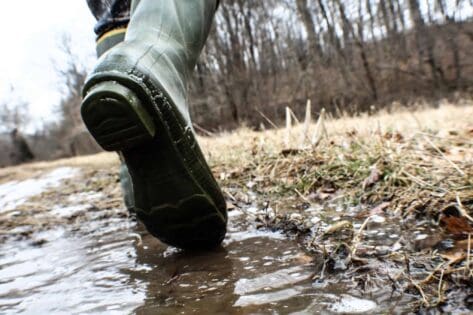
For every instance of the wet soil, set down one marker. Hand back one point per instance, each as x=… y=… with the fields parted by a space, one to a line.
x=69 y=246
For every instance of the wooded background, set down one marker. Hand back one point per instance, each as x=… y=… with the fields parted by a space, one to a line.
x=261 y=56
x=344 y=55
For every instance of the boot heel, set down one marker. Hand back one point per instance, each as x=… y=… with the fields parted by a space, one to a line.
x=116 y=118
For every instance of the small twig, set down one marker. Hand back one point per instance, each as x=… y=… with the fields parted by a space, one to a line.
x=415 y=179
x=175 y=277
x=421 y=291
x=440 y=296
x=444 y=156
x=432 y=274
x=468 y=254
x=230 y=195
x=463 y=140
x=201 y=129
x=408 y=267
x=422 y=183
x=302 y=196
x=267 y=119
x=462 y=209
x=357 y=237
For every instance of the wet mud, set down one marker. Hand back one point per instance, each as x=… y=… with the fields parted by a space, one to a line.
x=66 y=249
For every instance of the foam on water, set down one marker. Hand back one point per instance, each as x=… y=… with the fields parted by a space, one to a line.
x=352 y=305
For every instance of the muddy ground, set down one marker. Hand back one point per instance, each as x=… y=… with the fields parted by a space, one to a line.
x=373 y=216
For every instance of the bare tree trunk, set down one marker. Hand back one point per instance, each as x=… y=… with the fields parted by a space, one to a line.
x=425 y=43
x=451 y=38
x=309 y=25
x=359 y=42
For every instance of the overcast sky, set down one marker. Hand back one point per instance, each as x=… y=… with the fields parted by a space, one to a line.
x=31 y=35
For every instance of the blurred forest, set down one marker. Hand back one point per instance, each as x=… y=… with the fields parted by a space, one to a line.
x=343 y=55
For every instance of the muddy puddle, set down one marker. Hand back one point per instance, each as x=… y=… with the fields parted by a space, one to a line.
x=105 y=263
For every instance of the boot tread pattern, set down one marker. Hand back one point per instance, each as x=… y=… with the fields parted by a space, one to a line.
x=176 y=195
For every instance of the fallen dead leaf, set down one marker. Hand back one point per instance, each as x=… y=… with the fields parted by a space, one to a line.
x=454 y=256
x=463 y=244
x=456 y=225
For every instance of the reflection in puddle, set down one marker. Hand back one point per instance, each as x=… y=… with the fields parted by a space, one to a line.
x=272 y=280
x=265 y=298
x=246 y=235
x=68 y=274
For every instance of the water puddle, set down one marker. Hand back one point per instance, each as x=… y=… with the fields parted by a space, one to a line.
x=13 y=194
x=106 y=263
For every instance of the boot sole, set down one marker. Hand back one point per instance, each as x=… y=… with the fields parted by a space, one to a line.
x=167 y=175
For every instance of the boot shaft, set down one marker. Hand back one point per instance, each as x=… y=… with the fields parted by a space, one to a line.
x=163 y=41
x=178 y=25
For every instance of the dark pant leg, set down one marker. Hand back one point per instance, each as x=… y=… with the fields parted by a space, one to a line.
x=110 y=14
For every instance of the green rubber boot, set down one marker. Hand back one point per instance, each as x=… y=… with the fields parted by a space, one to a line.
x=135 y=102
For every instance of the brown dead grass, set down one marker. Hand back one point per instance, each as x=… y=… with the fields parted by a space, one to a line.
x=395 y=156
x=237 y=147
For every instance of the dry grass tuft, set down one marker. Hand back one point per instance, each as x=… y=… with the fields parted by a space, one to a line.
x=387 y=156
